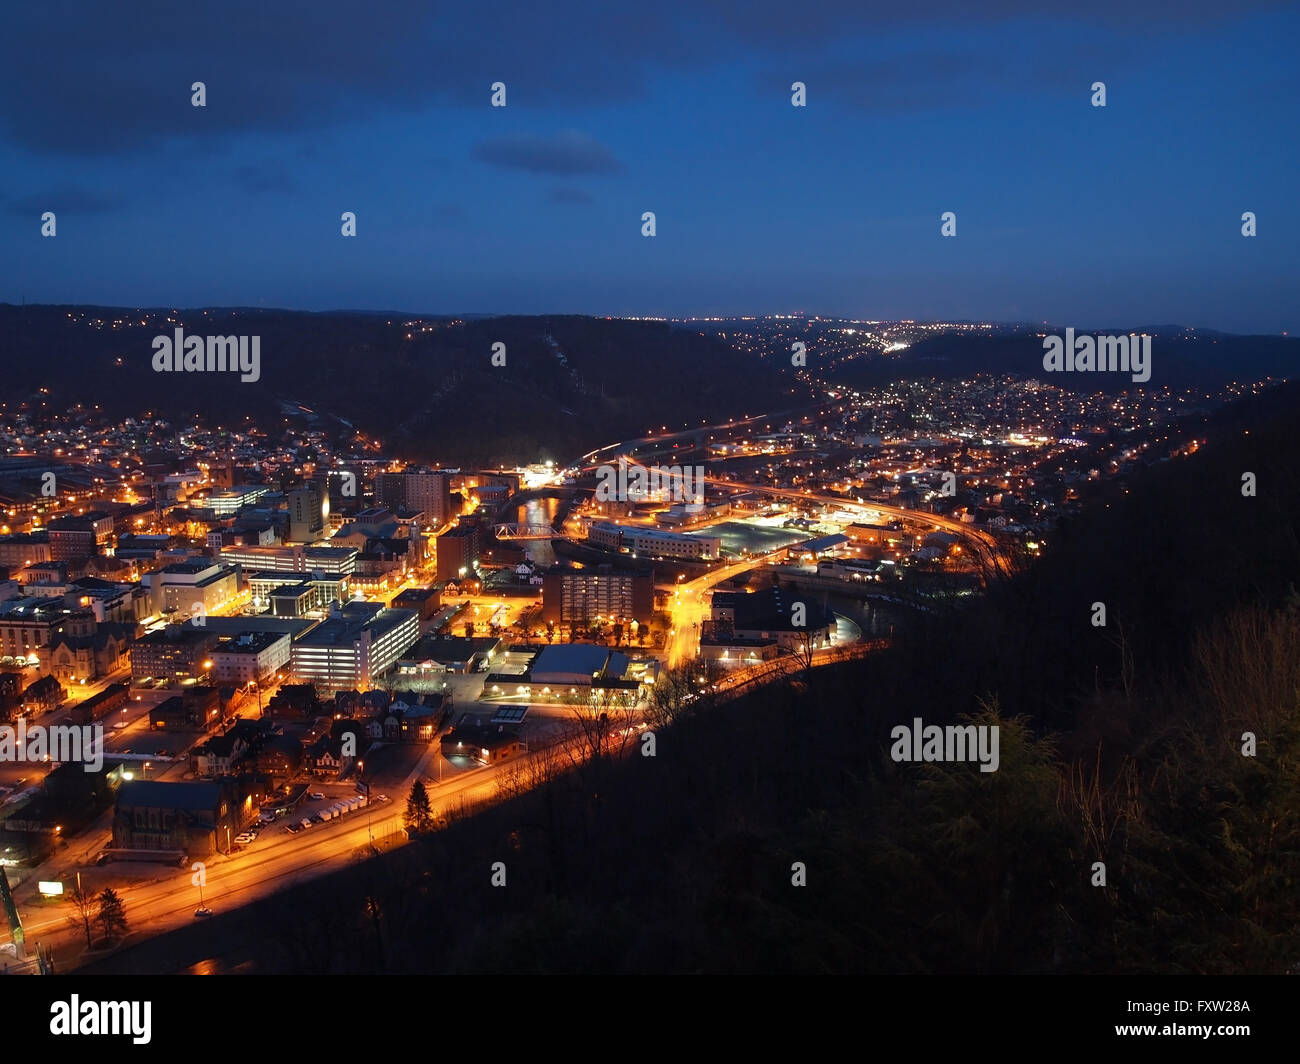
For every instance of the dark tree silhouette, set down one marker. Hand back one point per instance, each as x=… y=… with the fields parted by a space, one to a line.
x=111 y=915
x=419 y=811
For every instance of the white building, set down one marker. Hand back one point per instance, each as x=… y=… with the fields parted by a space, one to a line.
x=652 y=542
x=337 y=561
x=250 y=656
x=354 y=648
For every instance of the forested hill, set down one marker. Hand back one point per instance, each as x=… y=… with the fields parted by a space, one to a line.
x=427 y=387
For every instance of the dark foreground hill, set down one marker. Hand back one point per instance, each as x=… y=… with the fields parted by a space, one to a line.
x=426 y=387
x=1121 y=746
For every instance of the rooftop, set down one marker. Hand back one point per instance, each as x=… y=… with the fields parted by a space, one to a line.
x=156 y=794
x=356 y=618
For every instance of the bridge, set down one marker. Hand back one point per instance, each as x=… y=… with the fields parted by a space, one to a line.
x=524 y=532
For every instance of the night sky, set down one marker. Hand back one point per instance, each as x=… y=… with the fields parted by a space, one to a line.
x=1125 y=214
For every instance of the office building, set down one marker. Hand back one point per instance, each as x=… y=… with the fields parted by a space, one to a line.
x=355 y=647
x=336 y=561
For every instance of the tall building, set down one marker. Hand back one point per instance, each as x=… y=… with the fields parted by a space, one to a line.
x=424 y=490
x=577 y=596
x=354 y=648
x=309 y=508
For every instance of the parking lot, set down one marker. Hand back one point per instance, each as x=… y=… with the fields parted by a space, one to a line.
x=322 y=805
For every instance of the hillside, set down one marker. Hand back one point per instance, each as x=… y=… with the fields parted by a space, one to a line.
x=1179 y=359
x=427 y=388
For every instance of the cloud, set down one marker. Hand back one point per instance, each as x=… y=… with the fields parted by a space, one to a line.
x=111 y=79
x=567 y=194
x=569 y=152
x=73 y=199
x=97 y=80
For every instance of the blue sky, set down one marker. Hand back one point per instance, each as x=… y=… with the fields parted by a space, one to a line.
x=1065 y=212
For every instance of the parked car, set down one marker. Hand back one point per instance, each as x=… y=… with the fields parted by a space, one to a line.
x=316 y=796
x=202 y=911
x=305 y=822
x=293 y=829
x=244 y=839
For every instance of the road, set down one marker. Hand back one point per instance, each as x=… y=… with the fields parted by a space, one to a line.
x=278 y=859
x=628 y=447
x=788 y=665
x=275 y=860
x=980 y=540
x=690 y=607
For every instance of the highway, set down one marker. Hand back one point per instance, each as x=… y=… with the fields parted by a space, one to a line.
x=981 y=541
x=630 y=446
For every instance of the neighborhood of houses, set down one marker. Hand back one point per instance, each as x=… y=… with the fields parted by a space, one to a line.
x=256 y=770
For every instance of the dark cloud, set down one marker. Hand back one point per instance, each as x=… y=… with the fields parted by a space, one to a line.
x=569 y=152
x=72 y=199
x=109 y=79
x=566 y=194
x=773 y=23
